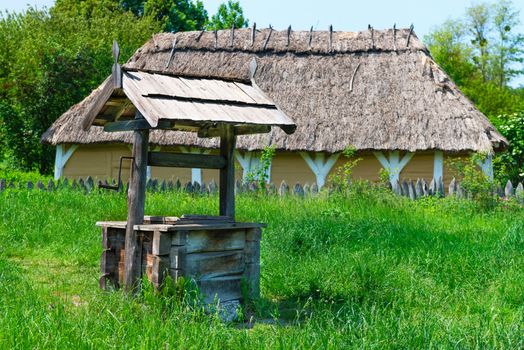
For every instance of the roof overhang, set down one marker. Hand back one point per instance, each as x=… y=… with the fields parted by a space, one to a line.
x=186 y=104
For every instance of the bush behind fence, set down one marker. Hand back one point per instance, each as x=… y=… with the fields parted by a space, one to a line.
x=411 y=189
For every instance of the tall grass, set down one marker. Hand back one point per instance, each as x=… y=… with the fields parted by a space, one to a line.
x=365 y=270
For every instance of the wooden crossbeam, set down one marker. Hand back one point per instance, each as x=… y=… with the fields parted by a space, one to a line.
x=185 y=160
x=135 y=124
x=238 y=130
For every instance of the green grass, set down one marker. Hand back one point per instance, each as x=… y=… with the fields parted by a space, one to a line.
x=361 y=271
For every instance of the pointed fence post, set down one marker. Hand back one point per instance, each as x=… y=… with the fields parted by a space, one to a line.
x=440 y=187
x=508 y=190
x=452 y=189
x=405 y=188
x=40 y=185
x=425 y=190
x=519 y=193
x=460 y=191
x=432 y=187
x=418 y=189
x=397 y=188
x=212 y=187
x=307 y=189
x=90 y=184
x=283 y=189
x=314 y=189
x=411 y=190
x=298 y=190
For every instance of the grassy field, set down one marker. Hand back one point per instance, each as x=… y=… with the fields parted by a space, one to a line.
x=361 y=271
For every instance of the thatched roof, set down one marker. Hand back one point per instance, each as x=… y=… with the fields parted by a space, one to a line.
x=373 y=90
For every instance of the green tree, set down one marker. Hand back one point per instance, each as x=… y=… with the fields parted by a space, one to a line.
x=448 y=47
x=227 y=16
x=482 y=53
x=482 y=46
x=510 y=164
x=478 y=20
x=177 y=15
x=51 y=60
x=508 y=46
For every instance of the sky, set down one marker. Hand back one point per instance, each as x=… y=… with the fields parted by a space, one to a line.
x=344 y=15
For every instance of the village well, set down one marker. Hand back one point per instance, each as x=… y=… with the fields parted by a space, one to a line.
x=220 y=254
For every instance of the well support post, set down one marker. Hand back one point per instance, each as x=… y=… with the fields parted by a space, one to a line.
x=227 y=174
x=135 y=206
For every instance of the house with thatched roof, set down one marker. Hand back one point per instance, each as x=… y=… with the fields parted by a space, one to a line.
x=379 y=92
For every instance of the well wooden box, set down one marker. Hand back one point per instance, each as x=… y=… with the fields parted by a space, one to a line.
x=221 y=257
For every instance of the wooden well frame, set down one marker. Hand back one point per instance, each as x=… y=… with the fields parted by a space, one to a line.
x=220 y=254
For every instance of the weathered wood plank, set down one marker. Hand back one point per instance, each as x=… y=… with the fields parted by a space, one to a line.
x=252 y=260
x=161 y=243
x=177 y=257
x=112 y=244
x=213 y=241
x=252 y=278
x=227 y=173
x=254 y=234
x=135 y=207
x=179 y=238
x=184 y=160
x=105 y=94
x=223 y=288
x=159 y=270
x=214 y=264
x=211 y=218
x=150 y=219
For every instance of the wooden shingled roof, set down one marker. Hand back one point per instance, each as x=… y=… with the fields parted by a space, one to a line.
x=186 y=104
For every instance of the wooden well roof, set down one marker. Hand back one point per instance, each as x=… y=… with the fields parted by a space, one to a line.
x=187 y=104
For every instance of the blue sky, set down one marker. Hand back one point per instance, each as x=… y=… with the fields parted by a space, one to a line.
x=347 y=15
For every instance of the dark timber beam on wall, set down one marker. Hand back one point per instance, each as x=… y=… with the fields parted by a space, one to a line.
x=227 y=174
x=238 y=130
x=185 y=160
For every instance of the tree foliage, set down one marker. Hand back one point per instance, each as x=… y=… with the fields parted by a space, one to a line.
x=51 y=59
x=227 y=16
x=511 y=163
x=177 y=15
x=483 y=53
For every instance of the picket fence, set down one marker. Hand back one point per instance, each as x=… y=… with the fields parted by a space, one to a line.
x=407 y=188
